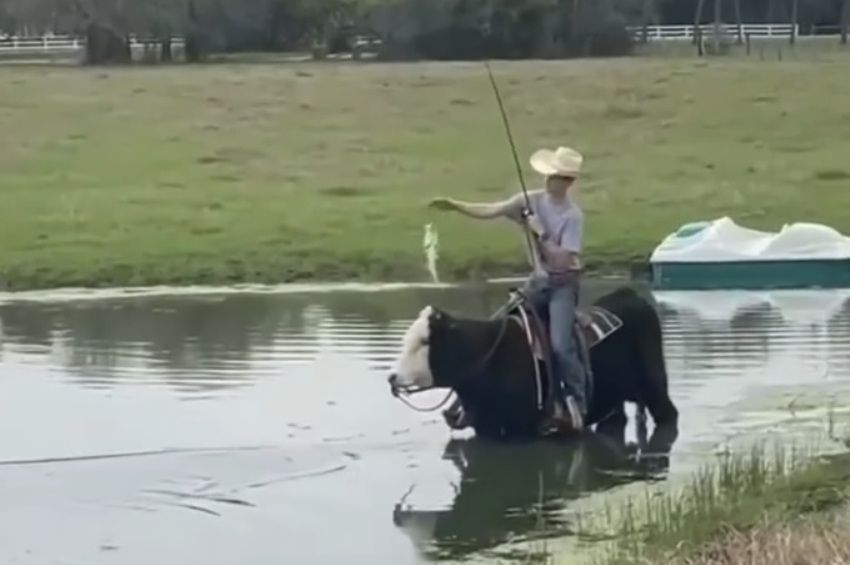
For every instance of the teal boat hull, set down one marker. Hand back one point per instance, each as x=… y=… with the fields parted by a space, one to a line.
x=751 y=275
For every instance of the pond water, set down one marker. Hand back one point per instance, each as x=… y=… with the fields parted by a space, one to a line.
x=257 y=427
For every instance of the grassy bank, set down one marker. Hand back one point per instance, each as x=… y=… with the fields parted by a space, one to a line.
x=747 y=509
x=814 y=540
x=269 y=173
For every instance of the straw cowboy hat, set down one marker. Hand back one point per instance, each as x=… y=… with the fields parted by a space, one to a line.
x=563 y=162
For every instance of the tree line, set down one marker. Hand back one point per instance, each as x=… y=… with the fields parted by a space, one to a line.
x=407 y=29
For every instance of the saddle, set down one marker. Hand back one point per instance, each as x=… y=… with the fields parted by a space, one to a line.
x=593 y=325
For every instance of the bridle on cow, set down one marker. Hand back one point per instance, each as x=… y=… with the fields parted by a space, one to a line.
x=400 y=395
x=478 y=367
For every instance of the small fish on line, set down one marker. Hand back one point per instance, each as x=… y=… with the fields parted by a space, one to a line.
x=431 y=246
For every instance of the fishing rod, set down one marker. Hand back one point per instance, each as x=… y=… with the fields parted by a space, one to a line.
x=508 y=132
x=528 y=238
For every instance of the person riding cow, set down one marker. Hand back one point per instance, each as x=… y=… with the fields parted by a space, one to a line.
x=557 y=223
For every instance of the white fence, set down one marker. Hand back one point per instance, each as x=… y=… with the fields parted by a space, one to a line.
x=686 y=32
x=70 y=44
x=40 y=44
x=65 y=43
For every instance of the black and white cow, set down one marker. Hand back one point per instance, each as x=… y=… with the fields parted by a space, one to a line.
x=491 y=366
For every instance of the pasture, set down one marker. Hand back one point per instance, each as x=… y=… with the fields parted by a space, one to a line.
x=270 y=173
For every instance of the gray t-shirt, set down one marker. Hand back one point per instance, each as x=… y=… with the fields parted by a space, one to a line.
x=563 y=222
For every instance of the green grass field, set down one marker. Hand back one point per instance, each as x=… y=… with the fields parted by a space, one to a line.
x=272 y=173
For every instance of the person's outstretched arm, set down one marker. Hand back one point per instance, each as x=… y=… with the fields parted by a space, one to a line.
x=511 y=208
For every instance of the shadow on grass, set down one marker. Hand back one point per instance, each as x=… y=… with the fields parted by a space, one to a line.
x=832 y=175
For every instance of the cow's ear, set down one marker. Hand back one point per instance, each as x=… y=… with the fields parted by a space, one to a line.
x=442 y=322
x=438 y=316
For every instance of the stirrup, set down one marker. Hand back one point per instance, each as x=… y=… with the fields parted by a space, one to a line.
x=558 y=420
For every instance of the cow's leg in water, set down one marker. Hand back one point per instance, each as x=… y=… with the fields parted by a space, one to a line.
x=456 y=417
x=642 y=433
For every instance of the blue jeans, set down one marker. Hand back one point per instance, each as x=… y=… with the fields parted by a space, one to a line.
x=560 y=302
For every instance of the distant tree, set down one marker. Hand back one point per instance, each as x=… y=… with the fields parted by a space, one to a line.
x=439 y=29
x=697 y=27
x=792 y=36
x=648 y=15
x=739 y=22
x=26 y=16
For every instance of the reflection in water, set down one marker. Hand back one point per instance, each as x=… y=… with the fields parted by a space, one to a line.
x=508 y=492
x=214 y=342
x=783 y=337
x=732 y=343
x=205 y=343
x=304 y=376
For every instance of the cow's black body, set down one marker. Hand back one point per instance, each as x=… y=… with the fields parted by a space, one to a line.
x=488 y=364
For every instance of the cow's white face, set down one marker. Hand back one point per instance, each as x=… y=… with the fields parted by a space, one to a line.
x=412 y=369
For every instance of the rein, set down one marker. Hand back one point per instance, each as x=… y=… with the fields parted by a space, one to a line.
x=478 y=367
x=443 y=402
